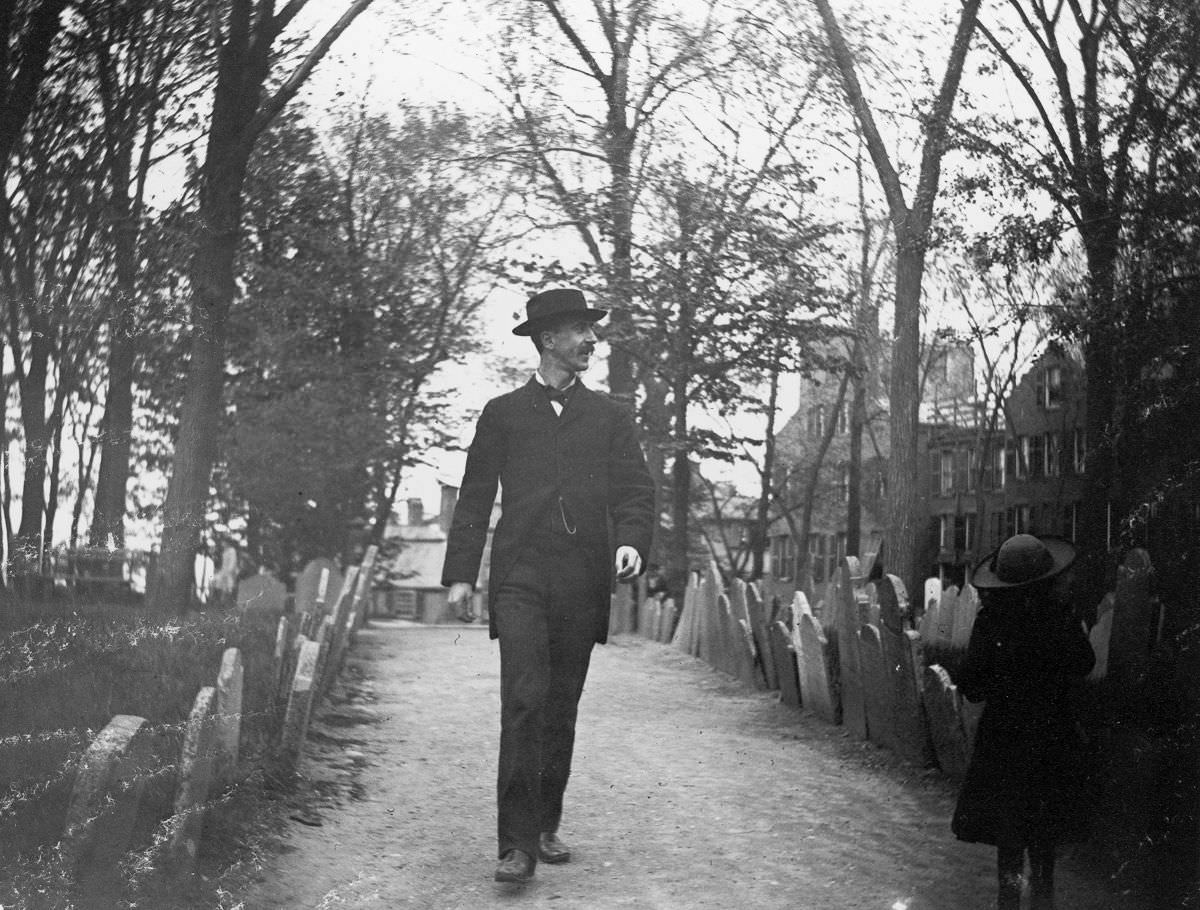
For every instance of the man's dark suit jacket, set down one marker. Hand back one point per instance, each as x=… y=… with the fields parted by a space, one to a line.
x=589 y=456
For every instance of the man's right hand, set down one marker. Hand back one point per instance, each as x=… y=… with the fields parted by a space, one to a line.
x=460 y=598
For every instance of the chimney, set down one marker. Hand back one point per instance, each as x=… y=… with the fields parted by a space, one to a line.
x=449 y=501
x=416 y=512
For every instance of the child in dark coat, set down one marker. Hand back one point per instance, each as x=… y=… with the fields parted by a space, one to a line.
x=1024 y=789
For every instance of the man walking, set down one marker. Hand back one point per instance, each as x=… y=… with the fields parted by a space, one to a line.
x=577 y=504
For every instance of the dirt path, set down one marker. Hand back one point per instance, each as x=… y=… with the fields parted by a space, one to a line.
x=689 y=791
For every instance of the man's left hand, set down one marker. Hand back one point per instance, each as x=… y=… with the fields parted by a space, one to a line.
x=629 y=563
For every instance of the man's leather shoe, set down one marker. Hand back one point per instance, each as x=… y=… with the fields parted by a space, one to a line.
x=551 y=849
x=515 y=866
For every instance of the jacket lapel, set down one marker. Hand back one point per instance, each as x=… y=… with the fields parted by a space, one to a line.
x=536 y=398
x=580 y=402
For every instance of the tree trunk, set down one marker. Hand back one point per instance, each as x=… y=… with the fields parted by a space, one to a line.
x=621 y=382
x=762 y=523
x=905 y=521
x=37 y=442
x=108 y=513
x=858 y=419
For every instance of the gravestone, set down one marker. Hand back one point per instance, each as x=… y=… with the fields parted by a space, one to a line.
x=620 y=617
x=666 y=624
x=758 y=625
x=905 y=665
x=747 y=662
x=262 y=593
x=650 y=618
x=817 y=688
x=966 y=609
x=1134 y=626
x=295 y=724
x=707 y=619
x=326 y=670
x=684 y=637
x=933 y=594
x=195 y=778
x=785 y=664
x=878 y=688
x=317 y=586
x=850 y=669
x=943 y=707
x=229 y=713
x=104 y=805
x=1100 y=637
x=361 y=604
x=280 y=655
x=947 y=613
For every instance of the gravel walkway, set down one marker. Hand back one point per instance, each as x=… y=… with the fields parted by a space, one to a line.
x=689 y=791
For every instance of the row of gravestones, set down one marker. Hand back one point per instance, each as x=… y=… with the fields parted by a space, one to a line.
x=853 y=660
x=656 y=619
x=113 y=774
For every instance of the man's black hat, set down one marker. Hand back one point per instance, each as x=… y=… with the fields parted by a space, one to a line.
x=549 y=307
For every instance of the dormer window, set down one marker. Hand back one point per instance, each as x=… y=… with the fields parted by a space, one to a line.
x=1050 y=388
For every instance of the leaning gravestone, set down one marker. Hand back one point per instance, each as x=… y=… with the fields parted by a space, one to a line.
x=947 y=616
x=758 y=625
x=649 y=618
x=905 y=664
x=261 y=593
x=966 y=609
x=104 y=806
x=317 y=586
x=229 y=712
x=1133 y=621
x=1100 y=637
x=818 y=687
x=743 y=635
x=195 y=777
x=785 y=664
x=943 y=707
x=666 y=621
x=850 y=670
x=877 y=688
x=295 y=724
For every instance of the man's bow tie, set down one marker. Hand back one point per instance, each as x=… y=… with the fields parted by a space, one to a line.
x=559 y=395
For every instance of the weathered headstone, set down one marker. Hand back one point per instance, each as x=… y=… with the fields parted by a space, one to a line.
x=1133 y=623
x=295 y=724
x=362 y=593
x=743 y=634
x=877 y=688
x=707 y=621
x=966 y=609
x=850 y=671
x=1100 y=637
x=684 y=638
x=325 y=672
x=195 y=778
x=785 y=664
x=943 y=707
x=905 y=663
x=650 y=618
x=666 y=621
x=758 y=625
x=818 y=688
x=280 y=655
x=229 y=712
x=261 y=593
x=104 y=805
x=317 y=586
x=947 y=614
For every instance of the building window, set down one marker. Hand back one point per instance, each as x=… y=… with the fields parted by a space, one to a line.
x=1022 y=458
x=1037 y=455
x=970 y=531
x=783 y=557
x=843 y=418
x=1021 y=523
x=1053 y=454
x=843 y=486
x=816 y=420
x=1010 y=461
x=972 y=470
x=1079 y=451
x=1070 y=521
x=817 y=555
x=1050 y=388
x=946 y=472
x=945 y=531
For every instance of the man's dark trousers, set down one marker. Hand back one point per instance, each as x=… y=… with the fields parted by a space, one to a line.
x=546 y=637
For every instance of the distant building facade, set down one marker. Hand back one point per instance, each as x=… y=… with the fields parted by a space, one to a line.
x=1021 y=472
x=979 y=486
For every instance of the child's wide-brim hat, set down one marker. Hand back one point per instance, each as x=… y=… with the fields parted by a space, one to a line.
x=550 y=307
x=1022 y=560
